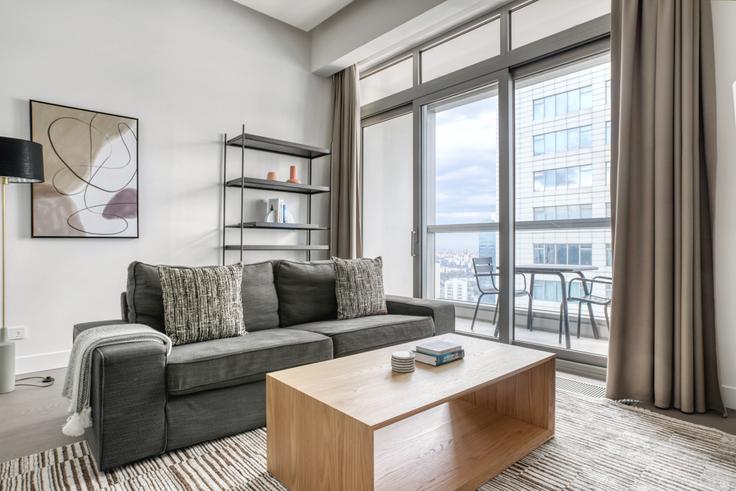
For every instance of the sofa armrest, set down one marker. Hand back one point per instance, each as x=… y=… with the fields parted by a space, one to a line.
x=83 y=326
x=443 y=313
x=128 y=400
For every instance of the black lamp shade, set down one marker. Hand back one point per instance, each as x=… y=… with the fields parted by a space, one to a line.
x=21 y=160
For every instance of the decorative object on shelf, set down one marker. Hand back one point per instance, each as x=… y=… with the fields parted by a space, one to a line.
x=278 y=211
x=293 y=176
x=21 y=161
x=402 y=361
x=91 y=159
x=272 y=175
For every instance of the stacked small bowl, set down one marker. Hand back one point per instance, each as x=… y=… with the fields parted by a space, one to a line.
x=402 y=361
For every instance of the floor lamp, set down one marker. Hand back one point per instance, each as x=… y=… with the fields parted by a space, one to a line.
x=20 y=161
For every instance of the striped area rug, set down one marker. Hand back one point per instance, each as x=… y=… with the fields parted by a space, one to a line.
x=598 y=445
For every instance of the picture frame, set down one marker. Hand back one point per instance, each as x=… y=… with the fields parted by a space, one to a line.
x=91 y=173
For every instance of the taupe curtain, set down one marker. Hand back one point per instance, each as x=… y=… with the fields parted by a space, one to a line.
x=662 y=347
x=346 y=239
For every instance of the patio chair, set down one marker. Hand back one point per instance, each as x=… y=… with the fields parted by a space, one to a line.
x=483 y=267
x=589 y=298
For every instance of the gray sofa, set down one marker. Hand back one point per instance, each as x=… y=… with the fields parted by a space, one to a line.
x=144 y=404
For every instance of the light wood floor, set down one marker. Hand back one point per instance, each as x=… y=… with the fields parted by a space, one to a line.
x=32 y=418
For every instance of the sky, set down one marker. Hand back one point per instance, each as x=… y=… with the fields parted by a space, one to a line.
x=466 y=153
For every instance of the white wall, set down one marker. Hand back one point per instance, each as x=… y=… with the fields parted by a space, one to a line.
x=724 y=20
x=189 y=70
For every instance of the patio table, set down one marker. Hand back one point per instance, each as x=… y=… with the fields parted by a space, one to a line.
x=558 y=270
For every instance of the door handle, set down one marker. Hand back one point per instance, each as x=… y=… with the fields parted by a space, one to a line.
x=413 y=243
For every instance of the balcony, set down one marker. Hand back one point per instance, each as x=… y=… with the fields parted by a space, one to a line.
x=545 y=328
x=573 y=243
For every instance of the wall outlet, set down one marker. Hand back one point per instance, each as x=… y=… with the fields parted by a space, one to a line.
x=16 y=333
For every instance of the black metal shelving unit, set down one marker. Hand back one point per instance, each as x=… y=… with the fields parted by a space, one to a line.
x=245 y=141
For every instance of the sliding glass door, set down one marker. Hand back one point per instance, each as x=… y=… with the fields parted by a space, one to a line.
x=460 y=154
x=388 y=199
x=563 y=205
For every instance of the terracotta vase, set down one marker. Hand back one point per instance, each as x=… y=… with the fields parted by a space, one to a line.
x=272 y=175
x=292 y=175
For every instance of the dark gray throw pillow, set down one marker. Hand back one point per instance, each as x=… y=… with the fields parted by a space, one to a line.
x=359 y=287
x=202 y=303
x=260 y=302
x=306 y=291
x=144 y=297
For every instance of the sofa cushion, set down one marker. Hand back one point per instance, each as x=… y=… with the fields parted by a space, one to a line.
x=239 y=360
x=306 y=292
x=365 y=333
x=146 y=304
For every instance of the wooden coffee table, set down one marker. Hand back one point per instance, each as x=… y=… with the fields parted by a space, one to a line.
x=353 y=424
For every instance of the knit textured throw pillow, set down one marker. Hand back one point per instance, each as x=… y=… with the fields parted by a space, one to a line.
x=202 y=303
x=359 y=287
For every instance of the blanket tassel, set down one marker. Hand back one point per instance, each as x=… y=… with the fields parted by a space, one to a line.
x=78 y=422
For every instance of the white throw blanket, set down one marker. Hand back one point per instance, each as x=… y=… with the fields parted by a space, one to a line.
x=77 y=383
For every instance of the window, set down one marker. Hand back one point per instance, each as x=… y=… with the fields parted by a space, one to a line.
x=608 y=173
x=462 y=172
x=571 y=101
x=563 y=212
x=608 y=92
x=543 y=18
x=608 y=209
x=608 y=133
x=559 y=108
x=564 y=178
x=609 y=255
x=394 y=78
x=461 y=181
x=563 y=140
x=578 y=254
x=453 y=271
x=470 y=47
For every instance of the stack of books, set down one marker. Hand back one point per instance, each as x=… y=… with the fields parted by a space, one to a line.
x=437 y=352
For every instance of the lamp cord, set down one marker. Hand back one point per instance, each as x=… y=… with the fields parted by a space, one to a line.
x=46 y=381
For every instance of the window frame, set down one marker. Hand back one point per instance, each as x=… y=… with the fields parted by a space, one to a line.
x=582 y=41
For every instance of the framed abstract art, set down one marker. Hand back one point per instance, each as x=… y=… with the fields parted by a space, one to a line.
x=91 y=169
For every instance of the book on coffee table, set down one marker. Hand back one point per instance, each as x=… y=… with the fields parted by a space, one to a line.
x=437 y=360
x=438 y=347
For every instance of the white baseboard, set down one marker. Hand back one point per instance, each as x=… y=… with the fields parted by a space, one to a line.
x=728 y=393
x=41 y=361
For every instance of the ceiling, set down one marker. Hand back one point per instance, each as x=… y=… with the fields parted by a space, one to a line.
x=305 y=14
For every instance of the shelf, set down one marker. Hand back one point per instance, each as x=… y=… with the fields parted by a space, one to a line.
x=282 y=147
x=303 y=247
x=280 y=226
x=286 y=187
